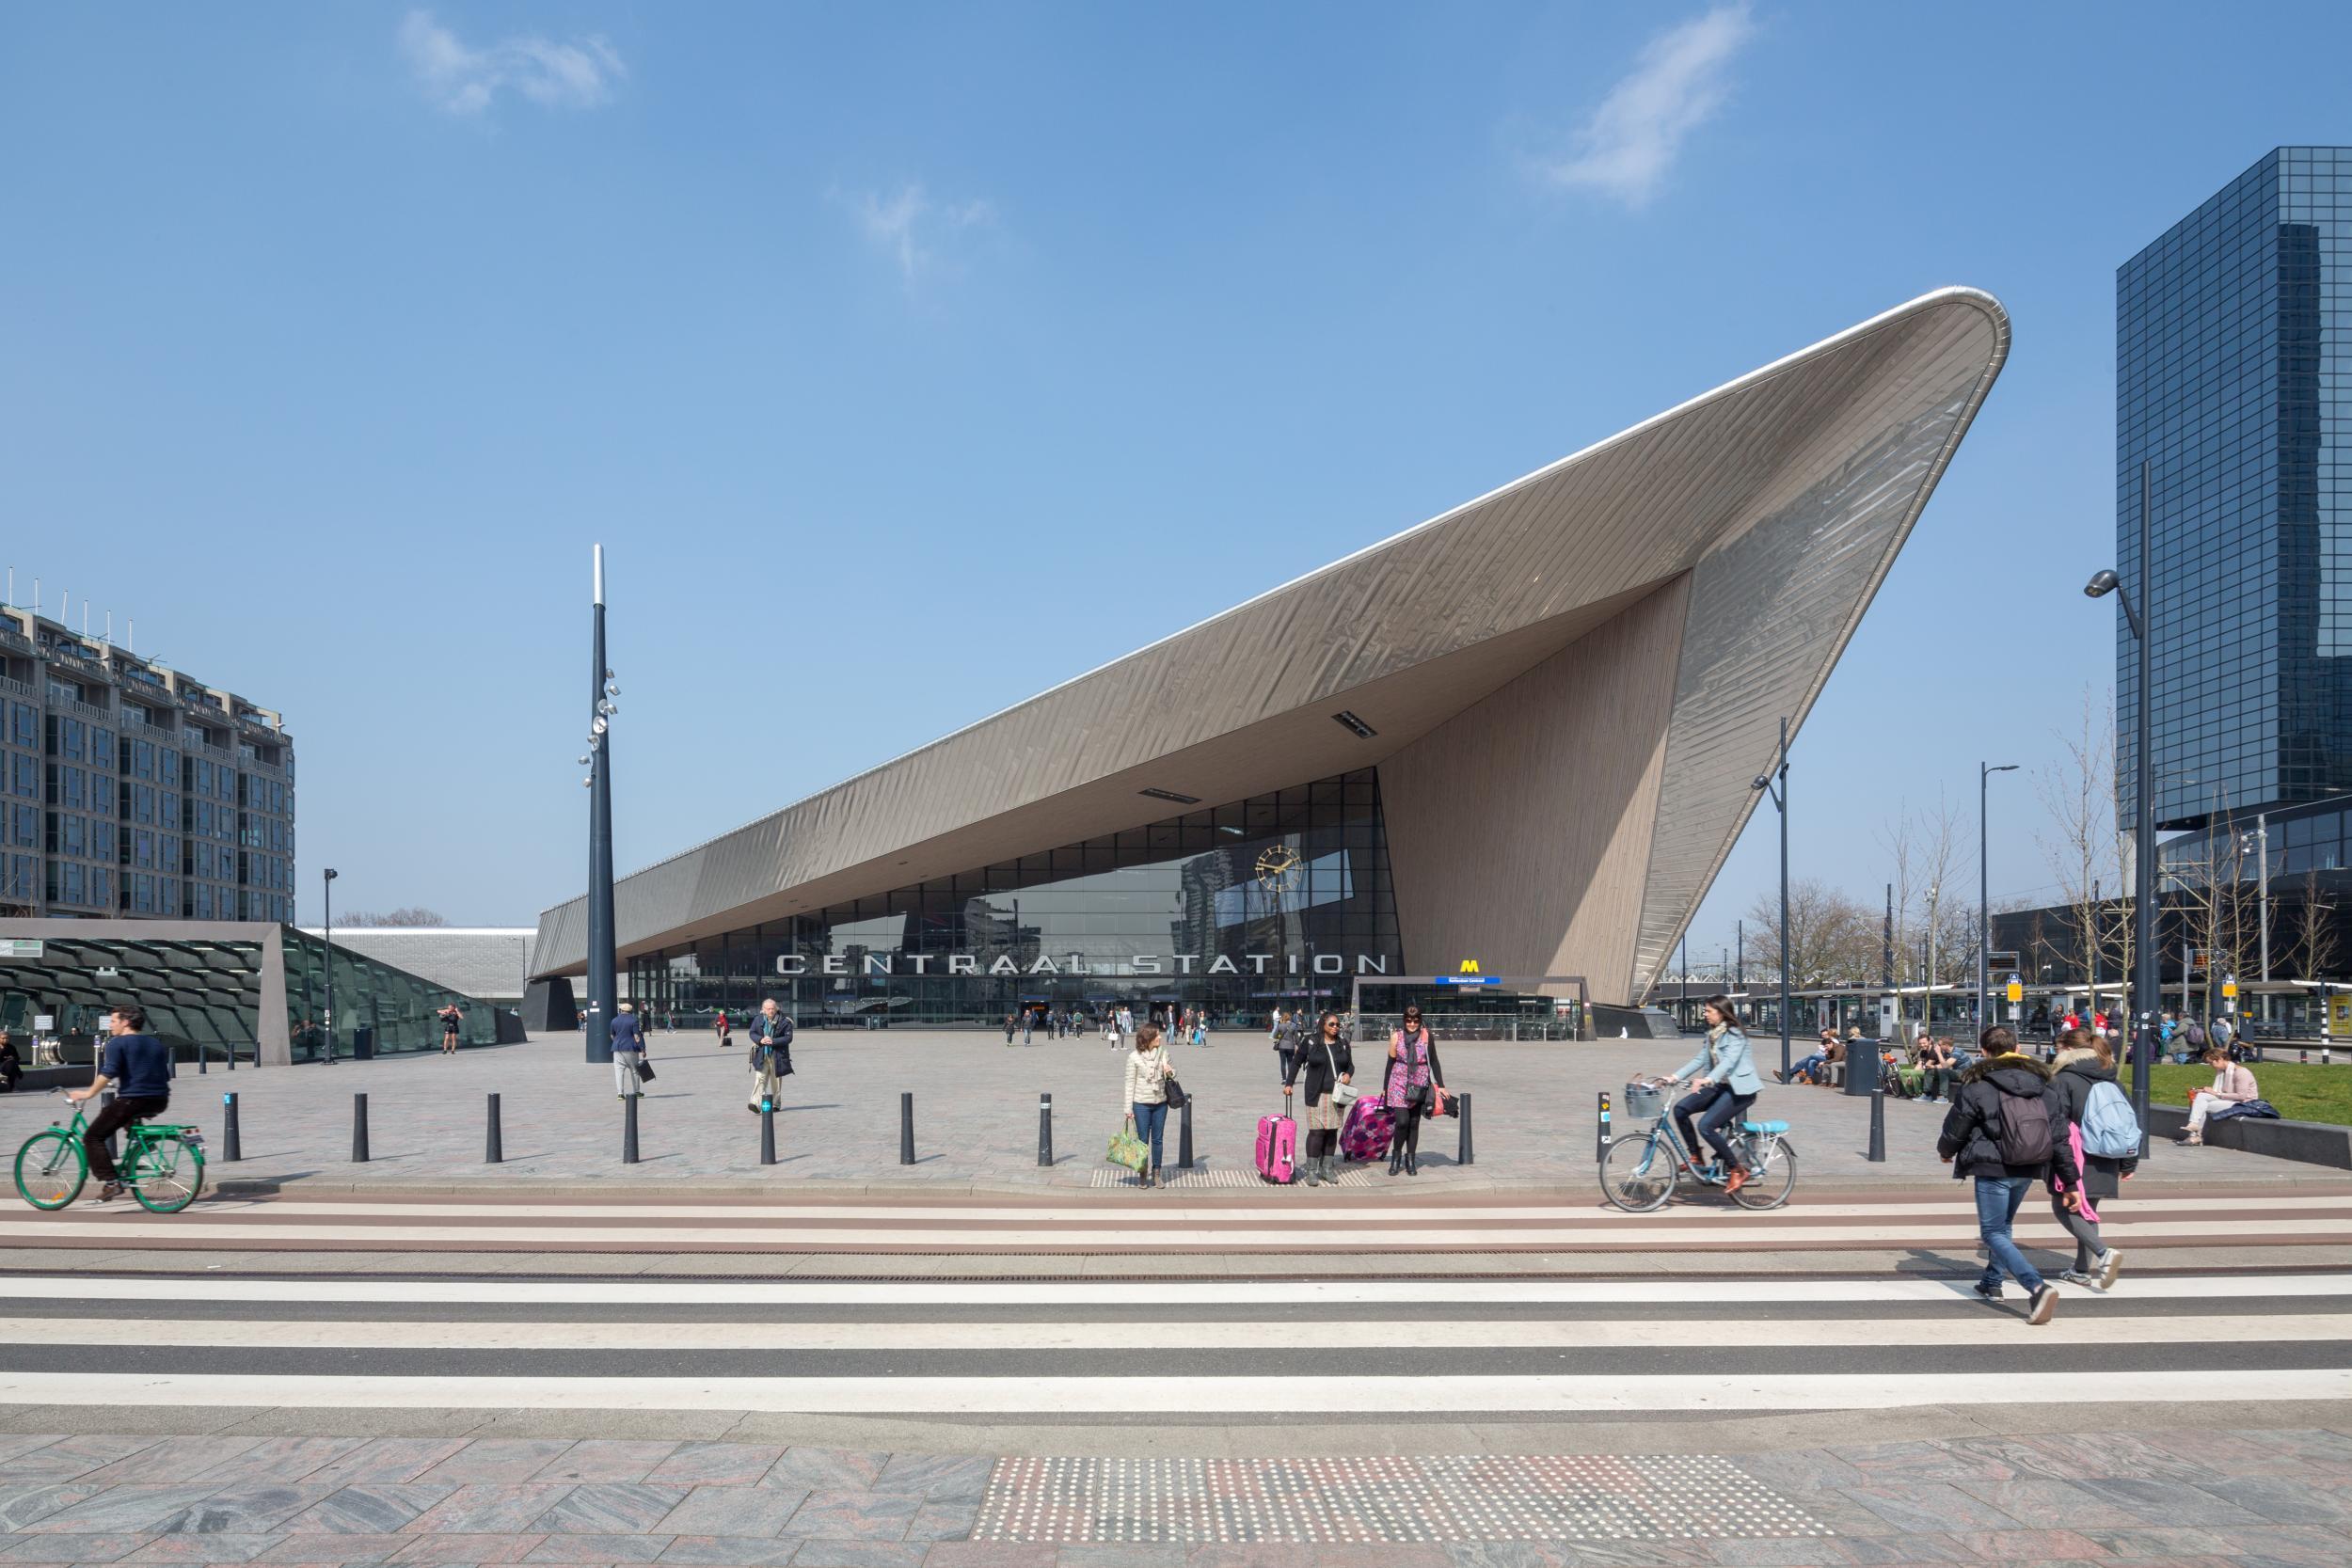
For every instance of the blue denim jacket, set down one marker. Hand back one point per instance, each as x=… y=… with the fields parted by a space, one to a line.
x=1731 y=1063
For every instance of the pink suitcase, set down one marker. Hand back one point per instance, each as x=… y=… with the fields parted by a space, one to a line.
x=1277 y=1149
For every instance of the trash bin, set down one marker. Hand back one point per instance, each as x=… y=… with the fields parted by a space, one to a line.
x=363 y=1042
x=1862 y=1066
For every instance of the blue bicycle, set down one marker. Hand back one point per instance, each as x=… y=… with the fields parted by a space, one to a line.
x=1638 y=1173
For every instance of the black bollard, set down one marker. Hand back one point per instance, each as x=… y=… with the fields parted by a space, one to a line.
x=232 y=1145
x=1045 y=1130
x=1183 y=1135
x=767 y=1132
x=629 y=1131
x=203 y=1056
x=1878 y=1125
x=493 y=1145
x=1600 y=1132
x=906 y=1128
x=358 y=1129
x=1462 y=1155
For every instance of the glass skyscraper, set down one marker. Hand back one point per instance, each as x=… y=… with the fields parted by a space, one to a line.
x=2232 y=366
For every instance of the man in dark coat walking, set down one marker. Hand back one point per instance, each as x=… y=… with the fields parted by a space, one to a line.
x=2006 y=1132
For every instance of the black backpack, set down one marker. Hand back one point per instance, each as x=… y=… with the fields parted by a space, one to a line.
x=2024 y=1134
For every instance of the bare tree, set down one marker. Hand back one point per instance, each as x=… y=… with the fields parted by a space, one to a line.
x=1832 y=939
x=1924 y=851
x=2314 y=950
x=2090 y=852
x=410 y=915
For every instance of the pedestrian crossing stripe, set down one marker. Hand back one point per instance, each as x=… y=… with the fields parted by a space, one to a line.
x=768 y=1336
x=1433 y=1234
x=1173 y=1294
x=1165 y=1395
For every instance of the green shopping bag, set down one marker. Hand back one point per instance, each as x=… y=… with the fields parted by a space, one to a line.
x=1129 y=1151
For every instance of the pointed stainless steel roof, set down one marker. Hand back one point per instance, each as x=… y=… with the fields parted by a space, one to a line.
x=1783 y=496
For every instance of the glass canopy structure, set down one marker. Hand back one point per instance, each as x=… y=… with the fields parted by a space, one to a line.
x=253 y=987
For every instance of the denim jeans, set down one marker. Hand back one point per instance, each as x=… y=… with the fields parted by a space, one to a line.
x=1715 y=1107
x=1998 y=1199
x=1149 y=1121
x=1807 y=1067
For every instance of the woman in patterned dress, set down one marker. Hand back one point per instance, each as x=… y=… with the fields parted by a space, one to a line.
x=1415 y=1085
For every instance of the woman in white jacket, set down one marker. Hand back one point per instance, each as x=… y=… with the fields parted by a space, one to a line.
x=1144 y=1095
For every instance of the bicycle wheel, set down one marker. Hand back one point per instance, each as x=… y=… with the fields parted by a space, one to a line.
x=1771 y=1174
x=168 y=1175
x=1638 y=1174
x=50 y=1169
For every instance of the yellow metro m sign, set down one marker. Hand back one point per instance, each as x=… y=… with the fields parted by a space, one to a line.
x=1470 y=966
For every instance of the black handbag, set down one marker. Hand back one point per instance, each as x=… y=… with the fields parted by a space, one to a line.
x=1174 y=1092
x=645 y=1070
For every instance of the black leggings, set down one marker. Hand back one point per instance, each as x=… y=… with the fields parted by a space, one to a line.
x=1322 y=1142
x=1406 y=1139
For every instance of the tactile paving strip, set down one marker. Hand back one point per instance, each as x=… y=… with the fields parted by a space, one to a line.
x=1382 y=1500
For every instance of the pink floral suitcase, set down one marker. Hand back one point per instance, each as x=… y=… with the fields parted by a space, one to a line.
x=1369 y=1126
x=1277 y=1149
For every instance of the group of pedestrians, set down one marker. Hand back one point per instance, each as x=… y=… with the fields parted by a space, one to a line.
x=2016 y=1124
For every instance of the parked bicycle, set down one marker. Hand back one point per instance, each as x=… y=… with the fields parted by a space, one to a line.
x=1638 y=1172
x=162 y=1166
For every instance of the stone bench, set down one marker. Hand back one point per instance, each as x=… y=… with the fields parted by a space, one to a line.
x=2312 y=1143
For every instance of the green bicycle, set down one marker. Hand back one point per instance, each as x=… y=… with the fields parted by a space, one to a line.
x=163 y=1165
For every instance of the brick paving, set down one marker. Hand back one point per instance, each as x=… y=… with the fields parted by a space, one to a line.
x=2255 y=1498
x=975 y=1116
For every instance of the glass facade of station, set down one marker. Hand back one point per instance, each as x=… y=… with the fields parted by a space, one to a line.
x=1279 y=900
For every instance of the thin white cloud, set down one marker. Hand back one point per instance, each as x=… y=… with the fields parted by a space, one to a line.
x=576 y=74
x=913 y=230
x=1627 y=146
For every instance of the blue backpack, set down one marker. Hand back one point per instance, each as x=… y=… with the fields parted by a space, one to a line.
x=2109 y=1129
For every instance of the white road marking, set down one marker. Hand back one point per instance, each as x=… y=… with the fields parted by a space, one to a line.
x=1430 y=1233
x=1410 y=1334
x=1169 y=1294
x=1177 y=1211
x=1157 y=1394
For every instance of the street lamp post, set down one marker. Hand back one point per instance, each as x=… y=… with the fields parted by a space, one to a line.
x=1775 y=785
x=602 y=688
x=1984 y=910
x=1927 y=963
x=2136 y=615
x=327 y=886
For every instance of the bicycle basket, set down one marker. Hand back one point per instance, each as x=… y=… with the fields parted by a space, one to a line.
x=1642 y=1100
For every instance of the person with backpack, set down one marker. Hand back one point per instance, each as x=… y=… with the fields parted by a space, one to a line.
x=2005 y=1133
x=2105 y=1138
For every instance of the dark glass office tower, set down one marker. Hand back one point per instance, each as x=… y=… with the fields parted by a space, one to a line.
x=2232 y=366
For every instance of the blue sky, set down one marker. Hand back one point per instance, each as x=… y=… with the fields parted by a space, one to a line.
x=911 y=359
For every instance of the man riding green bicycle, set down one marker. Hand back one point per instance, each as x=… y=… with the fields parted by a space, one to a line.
x=138 y=1067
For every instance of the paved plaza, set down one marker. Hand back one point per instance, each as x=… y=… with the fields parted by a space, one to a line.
x=975 y=1116
x=2247 y=1496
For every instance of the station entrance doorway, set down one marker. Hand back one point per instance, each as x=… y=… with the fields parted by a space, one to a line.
x=1470 y=1006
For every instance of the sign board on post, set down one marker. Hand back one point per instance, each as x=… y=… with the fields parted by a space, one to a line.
x=44 y=1021
x=2340 y=1012
x=21 y=947
x=2016 y=990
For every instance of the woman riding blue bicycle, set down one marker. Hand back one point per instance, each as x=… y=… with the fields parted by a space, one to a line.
x=1724 y=1084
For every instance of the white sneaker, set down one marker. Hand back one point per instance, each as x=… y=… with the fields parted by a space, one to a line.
x=2109 y=1266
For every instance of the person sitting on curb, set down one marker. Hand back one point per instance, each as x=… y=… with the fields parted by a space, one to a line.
x=2232 y=1084
x=1807 y=1068
x=2006 y=1133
